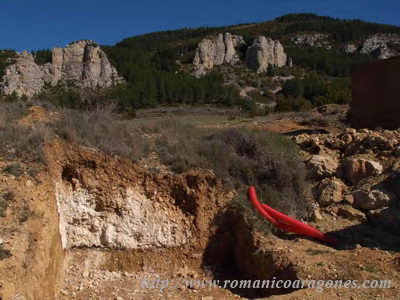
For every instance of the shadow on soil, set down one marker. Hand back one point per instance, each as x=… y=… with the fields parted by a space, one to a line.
x=232 y=254
x=364 y=234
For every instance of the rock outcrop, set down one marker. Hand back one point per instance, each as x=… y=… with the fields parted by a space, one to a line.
x=216 y=51
x=81 y=63
x=389 y=218
x=330 y=190
x=222 y=49
x=321 y=166
x=354 y=169
x=23 y=77
x=350 y=48
x=368 y=176
x=379 y=45
x=265 y=52
x=369 y=200
x=312 y=40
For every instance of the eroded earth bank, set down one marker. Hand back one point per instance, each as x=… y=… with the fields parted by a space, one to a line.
x=93 y=226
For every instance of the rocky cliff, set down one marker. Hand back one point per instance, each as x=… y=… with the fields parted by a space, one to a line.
x=312 y=40
x=265 y=52
x=222 y=49
x=381 y=45
x=216 y=51
x=82 y=64
x=23 y=77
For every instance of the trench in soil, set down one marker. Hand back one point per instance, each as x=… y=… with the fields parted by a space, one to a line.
x=154 y=224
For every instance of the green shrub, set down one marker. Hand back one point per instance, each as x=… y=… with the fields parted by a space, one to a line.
x=271 y=71
x=330 y=62
x=292 y=104
x=42 y=56
x=6 y=58
x=339 y=29
x=4 y=254
x=5 y=200
x=316 y=90
x=62 y=96
x=14 y=169
x=241 y=158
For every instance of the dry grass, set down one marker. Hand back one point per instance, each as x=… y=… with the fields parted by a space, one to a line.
x=18 y=141
x=5 y=200
x=102 y=130
x=240 y=157
x=4 y=254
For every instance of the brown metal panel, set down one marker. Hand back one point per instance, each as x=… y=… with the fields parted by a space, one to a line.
x=376 y=95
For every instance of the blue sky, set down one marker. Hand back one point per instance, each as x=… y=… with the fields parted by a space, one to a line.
x=39 y=24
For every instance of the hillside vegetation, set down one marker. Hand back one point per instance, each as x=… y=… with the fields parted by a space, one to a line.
x=155 y=67
x=152 y=63
x=6 y=57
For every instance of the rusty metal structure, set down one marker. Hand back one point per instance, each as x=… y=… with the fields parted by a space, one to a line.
x=376 y=95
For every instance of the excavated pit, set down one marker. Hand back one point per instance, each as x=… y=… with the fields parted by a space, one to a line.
x=115 y=217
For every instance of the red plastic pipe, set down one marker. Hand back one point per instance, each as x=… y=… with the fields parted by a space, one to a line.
x=285 y=222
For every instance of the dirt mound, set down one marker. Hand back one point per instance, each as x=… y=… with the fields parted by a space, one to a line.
x=37 y=115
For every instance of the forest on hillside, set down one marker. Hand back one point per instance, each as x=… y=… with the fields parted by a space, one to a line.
x=149 y=62
x=153 y=65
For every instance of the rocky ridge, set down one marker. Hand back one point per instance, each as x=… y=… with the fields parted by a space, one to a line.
x=380 y=45
x=265 y=52
x=216 y=51
x=312 y=40
x=222 y=49
x=81 y=63
x=358 y=169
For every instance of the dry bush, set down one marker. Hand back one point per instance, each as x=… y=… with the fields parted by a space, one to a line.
x=14 y=169
x=241 y=158
x=238 y=156
x=316 y=121
x=5 y=199
x=102 y=130
x=18 y=141
x=4 y=254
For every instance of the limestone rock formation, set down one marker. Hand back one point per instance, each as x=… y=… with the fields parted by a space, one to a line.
x=350 y=48
x=371 y=200
x=312 y=40
x=23 y=77
x=330 y=190
x=389 y=218
x=230 y=53
x=354 y=169
x=81 y=63
x=369 y=163
x=216 y=51
x=379 y=45
x=265 y=52
x=290 y=62
x=321 y=166
x=350 y=213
